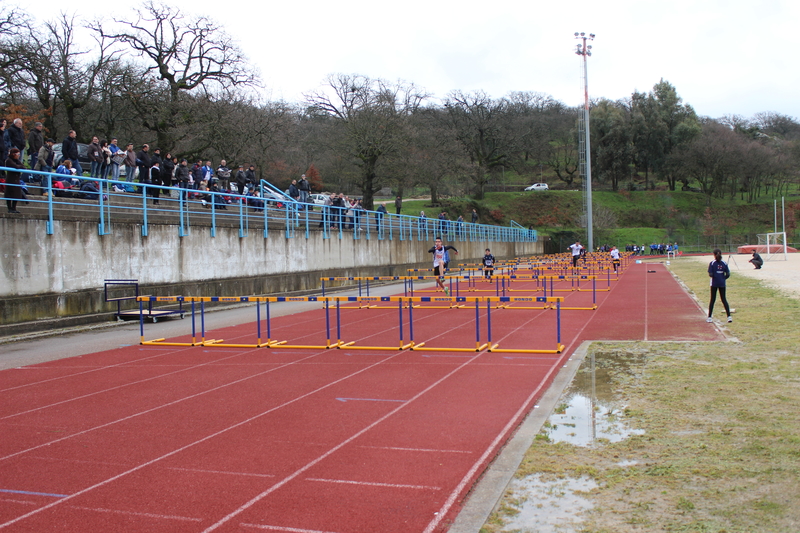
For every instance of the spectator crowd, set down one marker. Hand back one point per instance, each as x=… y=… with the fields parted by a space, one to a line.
x=155 y=170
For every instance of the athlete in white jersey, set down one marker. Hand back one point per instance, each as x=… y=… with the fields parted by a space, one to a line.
x=576 y=252
x=615 y=258
x=440 y=260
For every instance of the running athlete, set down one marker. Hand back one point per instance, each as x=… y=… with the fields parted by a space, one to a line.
x=488 y=264
x=615 y=258
x=718 y=272
x=576 y=253
x=440 y=260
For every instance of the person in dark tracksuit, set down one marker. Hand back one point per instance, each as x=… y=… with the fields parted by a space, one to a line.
x=488 y=264
x=756 y=260
x=718 y=272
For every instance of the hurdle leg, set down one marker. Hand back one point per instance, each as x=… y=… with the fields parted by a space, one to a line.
x=400 y=313
x=258 y=323
x=194 y=326
x=141 y=321
x=339 y=342
x=489 y=326
x=327 y=323
x=412 y=344
x=478 y=345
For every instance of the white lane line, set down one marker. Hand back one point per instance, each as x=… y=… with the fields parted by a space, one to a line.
x=219 y=472
x=21 y=502
x=148 y=411
x=490 y=450
x=374 y=484
x=282 y=528
x=191 y=444
x=103 y=391
x=93 y=369
x=336 y=448
x=133 y=513
x=424 y=450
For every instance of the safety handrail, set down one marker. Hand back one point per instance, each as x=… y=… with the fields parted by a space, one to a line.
x=184 y=207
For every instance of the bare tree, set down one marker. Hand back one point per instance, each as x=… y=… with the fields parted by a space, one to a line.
x=76 y=81
x=186 y=54
x=13 y=23
x=479 y=124
x=371 y=119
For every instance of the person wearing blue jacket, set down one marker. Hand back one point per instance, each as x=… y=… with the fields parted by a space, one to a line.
x=718 y=272
x=440 y=260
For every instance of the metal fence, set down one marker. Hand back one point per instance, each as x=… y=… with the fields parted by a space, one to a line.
x=192 y=209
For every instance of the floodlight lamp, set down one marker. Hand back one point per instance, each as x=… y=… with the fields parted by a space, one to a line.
x=576 y=34
x=583 y=33
x=591 y=35
x=589 y=47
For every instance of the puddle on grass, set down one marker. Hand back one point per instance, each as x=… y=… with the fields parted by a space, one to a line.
x=589 y=413
x=548 y=505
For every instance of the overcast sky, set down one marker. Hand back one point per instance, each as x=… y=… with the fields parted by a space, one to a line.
x=724 y=57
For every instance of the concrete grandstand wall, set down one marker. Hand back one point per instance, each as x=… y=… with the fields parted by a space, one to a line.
x=61 y=275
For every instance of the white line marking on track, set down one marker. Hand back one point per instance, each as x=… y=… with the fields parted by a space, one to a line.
x=209 y=437
x=22 y=502
x=148 y=411
x=336 y=448
x=374 y=484
x=281 y=528
x=133 y=513
x=416 y=449
x=159 y=376
x=220 y=472
x=93 y=369
x=491 y=449
x=345 y=400
x=78 y=461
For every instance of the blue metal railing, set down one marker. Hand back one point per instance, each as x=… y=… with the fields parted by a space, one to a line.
x=186 y=207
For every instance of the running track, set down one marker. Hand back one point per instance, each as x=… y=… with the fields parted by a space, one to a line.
x=199 y=439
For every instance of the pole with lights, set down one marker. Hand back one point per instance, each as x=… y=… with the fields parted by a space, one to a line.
x=585 y=50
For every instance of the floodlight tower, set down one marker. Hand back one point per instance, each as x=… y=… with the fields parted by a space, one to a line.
x=585 y=50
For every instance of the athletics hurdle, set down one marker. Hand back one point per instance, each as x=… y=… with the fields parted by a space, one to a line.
x=285 y=344
x=352 y=345
x=577 y=279
x=421 y=346
x=269 y=343
x=494 y=347
x=180 y=299
x=339 y=343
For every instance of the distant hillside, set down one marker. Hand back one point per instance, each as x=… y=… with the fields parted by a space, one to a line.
x=624 y=217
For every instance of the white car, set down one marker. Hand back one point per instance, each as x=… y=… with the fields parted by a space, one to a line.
x=537 y=187
x=318 y=199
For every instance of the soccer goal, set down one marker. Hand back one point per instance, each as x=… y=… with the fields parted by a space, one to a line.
x=772 y=246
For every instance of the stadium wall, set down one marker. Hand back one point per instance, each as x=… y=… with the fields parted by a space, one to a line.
x=49 y=280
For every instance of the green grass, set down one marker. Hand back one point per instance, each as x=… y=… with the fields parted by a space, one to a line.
x=721 y=448
x=620 y=217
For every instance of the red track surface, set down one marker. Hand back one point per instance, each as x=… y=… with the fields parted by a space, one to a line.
x=190 y=439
